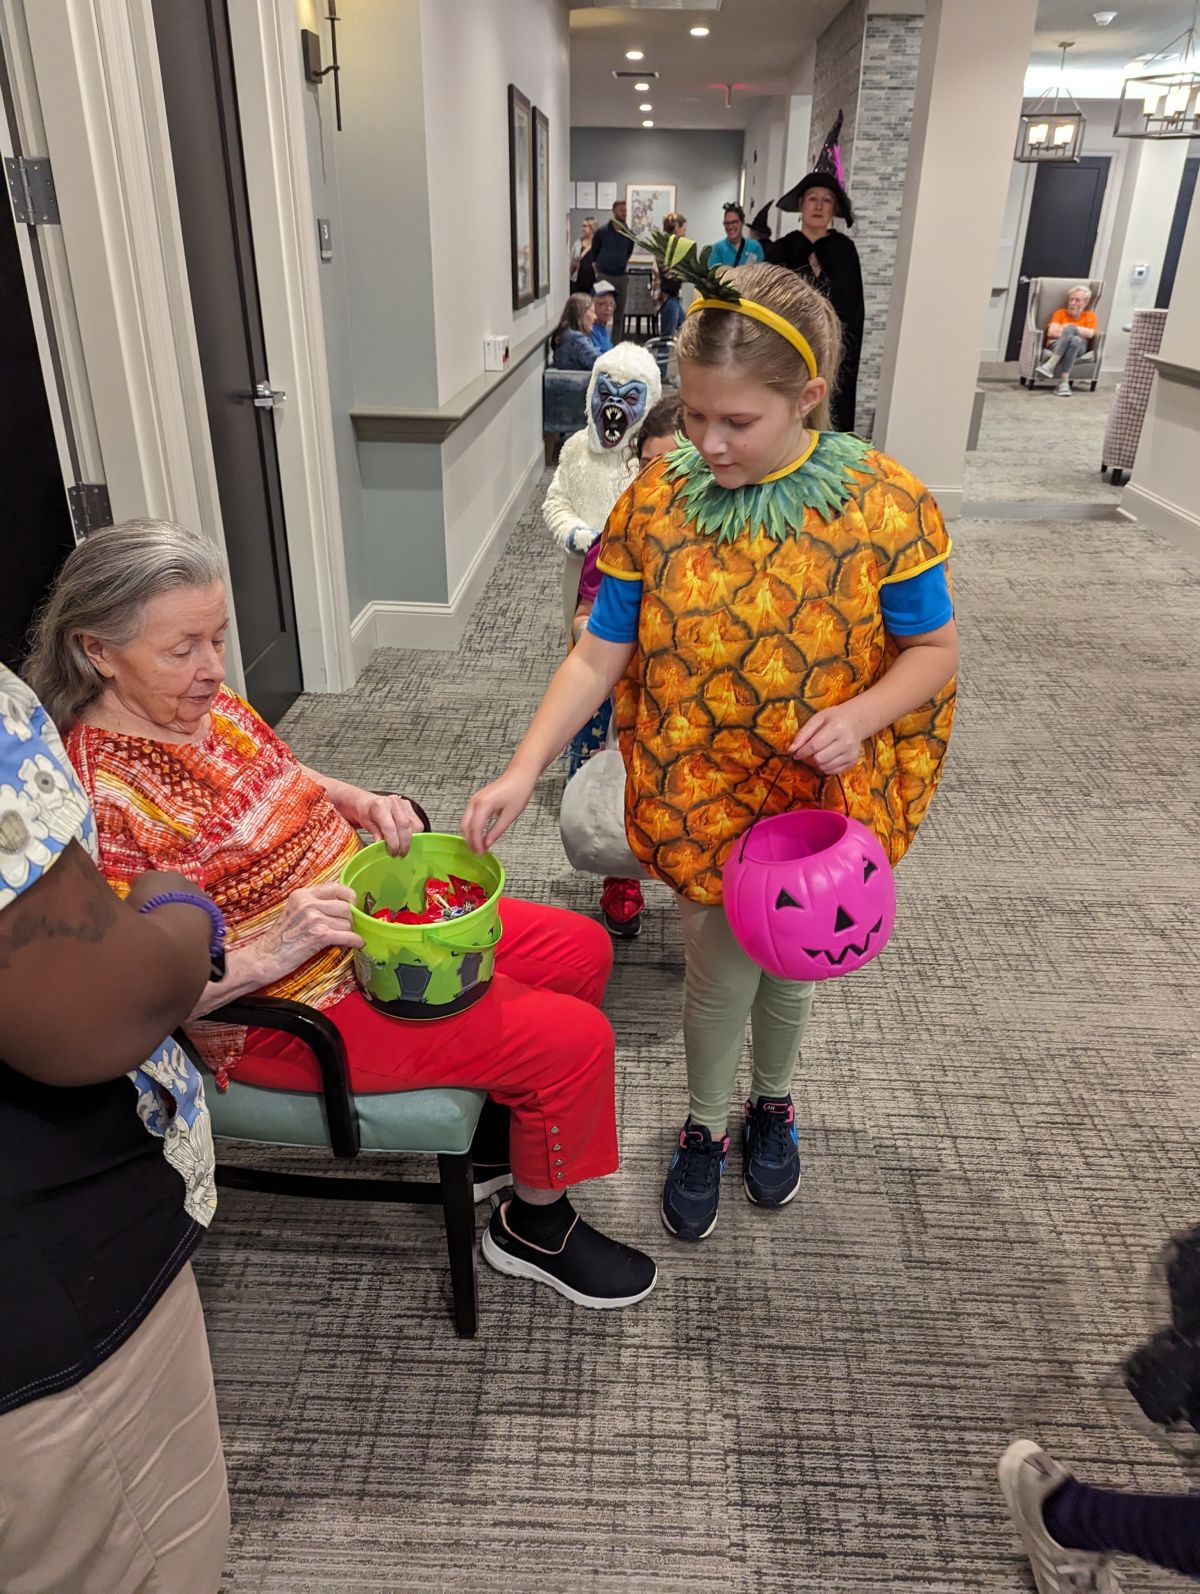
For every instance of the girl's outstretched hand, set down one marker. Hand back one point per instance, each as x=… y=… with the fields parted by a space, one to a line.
x=491 y=811
x=831 y=740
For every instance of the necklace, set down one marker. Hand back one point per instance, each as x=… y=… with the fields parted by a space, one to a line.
x=821 y=482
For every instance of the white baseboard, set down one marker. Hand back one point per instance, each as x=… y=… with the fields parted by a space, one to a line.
x=949 y=500
x=1159 y=514
x=441 y=625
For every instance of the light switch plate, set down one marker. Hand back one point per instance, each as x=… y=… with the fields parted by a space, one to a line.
x=325 y=237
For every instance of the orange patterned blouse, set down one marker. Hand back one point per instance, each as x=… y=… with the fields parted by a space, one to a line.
x=237 y=814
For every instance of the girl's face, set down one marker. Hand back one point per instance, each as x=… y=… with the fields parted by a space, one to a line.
x=651 y=447
x=743 y=430
x=589 y=319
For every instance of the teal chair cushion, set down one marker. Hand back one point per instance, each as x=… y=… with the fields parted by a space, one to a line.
x=435 y=1122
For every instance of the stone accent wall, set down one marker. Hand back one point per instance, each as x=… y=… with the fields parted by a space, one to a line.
x=835 y=82
x=891 y=50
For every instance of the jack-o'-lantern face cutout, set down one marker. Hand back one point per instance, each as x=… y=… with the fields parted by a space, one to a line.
x=810 y=895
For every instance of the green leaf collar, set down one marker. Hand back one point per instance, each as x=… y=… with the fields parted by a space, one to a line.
x=776 y=507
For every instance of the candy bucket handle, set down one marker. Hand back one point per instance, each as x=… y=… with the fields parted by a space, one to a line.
x=784 y=760
x=448 y=939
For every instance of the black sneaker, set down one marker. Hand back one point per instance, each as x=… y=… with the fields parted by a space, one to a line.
x=771 y=1157
x=588 y=1268
x=1158 y=1389
x=1181 y=1263
x=693 y=1189
x=490 y=1177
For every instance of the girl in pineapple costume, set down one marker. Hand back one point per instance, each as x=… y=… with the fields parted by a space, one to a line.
x=776 y=610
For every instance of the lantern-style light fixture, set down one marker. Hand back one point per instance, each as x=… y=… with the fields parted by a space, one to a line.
x=1164 y=104
x=1051 y=130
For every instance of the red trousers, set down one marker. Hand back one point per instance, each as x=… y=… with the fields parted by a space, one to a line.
x=537 y=1043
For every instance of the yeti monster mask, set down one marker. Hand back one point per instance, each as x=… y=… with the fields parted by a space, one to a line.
x=625 y=384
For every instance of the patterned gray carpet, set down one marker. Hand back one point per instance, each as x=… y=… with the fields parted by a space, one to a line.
x=999 y=1123
x=1036 y=446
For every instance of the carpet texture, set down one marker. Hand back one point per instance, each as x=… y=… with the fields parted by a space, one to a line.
x=1036 y=446
x=998 y=1123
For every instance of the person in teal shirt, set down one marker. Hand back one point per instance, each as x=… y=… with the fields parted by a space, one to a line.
x=735 y=249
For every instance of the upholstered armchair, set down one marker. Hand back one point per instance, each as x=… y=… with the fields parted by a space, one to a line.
x=1046 y=295
x=1128 y=409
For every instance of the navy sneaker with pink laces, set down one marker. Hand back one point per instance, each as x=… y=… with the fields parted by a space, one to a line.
x=770 y=1154
x=692 y=1191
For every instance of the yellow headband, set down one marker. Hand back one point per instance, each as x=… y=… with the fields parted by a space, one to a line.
x=759 y=312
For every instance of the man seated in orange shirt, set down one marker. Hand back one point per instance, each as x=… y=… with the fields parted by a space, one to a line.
x=1069 y=334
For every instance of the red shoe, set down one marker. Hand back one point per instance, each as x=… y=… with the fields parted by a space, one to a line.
x=621 y=907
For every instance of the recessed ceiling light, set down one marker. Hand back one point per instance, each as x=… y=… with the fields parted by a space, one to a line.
x=641 y=87
x=634 y=55
x=647 y=123
x=645 y=106
x=698 y=33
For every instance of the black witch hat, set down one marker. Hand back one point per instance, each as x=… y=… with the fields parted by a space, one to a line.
x=829 y=173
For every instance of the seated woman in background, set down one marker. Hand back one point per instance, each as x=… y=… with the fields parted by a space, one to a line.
x=572 y=337
x=1068 y=335
x=130 y=659
x=111 y=1472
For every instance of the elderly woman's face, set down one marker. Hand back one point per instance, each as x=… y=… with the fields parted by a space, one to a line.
x=816 y=208
x=171 y=672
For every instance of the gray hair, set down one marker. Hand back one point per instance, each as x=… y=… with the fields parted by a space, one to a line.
x=1081 y=287
x=102 y=591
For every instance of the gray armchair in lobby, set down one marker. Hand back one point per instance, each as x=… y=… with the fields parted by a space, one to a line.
x=1046 y=295
x=564 y=403
x=1128 y=410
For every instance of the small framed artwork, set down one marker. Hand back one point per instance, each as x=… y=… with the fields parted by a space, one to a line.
x=541 y=202
x=520 y=189
x=648 y=203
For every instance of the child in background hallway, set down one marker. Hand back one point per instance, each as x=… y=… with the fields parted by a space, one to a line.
x=621 y=901
x=781 y=594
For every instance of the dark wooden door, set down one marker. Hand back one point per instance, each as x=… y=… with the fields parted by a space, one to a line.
x=37 y=534
x=1060 y=237
x=1183 y=209
x=196 y=57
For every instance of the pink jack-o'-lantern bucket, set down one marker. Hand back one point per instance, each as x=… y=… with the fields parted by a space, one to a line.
x=810 y=894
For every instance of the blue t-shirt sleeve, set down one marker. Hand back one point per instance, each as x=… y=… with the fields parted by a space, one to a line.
x=922 y=603
x=614 y=616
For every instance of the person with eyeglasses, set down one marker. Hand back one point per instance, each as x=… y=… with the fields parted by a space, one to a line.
x=737 y=248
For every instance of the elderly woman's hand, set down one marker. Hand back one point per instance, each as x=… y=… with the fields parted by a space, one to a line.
x=392 y=820
x=313 y=918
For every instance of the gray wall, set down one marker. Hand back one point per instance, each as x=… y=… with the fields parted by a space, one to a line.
x=704 y=165
x=890 y=56
x=836 y=81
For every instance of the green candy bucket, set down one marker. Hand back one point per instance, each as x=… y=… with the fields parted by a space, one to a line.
x=424 y=971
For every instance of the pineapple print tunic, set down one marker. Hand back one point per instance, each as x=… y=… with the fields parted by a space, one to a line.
x=761 y=605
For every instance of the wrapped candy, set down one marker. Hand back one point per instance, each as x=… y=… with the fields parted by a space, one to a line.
x=444 y=899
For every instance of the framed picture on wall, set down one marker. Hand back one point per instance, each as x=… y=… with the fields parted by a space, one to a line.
x=541 y=201
x=520 y=189
x=648 y=203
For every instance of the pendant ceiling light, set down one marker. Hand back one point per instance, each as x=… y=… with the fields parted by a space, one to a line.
x=1051 y=129
x=1164 y=104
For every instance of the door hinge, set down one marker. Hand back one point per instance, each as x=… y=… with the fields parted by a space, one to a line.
x=31 y=184
x=90 y=507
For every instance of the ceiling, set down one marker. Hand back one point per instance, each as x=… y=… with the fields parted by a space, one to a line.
x=758 y=46
x=753 y=44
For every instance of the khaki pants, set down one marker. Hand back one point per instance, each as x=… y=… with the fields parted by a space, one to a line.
x=117 y=1485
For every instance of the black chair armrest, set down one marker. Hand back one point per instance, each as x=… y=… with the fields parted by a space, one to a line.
x=321 y=1036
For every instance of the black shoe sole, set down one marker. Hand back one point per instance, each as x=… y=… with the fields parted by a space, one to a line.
x=628 y=931
x=690 y=1239
x=517 y=1267
x=770 y=1205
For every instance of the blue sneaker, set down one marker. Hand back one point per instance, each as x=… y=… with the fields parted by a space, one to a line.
x=770 y=1155
x=693 y=1188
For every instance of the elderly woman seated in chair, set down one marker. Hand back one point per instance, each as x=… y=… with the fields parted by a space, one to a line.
x=129 y=659
x=1069 y=334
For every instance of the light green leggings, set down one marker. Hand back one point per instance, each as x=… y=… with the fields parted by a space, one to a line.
x=722 y=988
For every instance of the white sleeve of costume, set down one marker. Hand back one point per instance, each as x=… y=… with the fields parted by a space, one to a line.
x=564 y=514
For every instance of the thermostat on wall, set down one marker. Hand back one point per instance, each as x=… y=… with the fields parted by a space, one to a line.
x=495 y=354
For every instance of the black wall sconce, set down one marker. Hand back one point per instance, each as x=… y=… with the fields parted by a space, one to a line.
x=310 y=45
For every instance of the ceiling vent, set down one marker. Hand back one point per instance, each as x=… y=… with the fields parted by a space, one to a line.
x=648 y=5
x=635 y=77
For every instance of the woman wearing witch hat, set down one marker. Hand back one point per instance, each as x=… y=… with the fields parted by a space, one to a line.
x=828 y=260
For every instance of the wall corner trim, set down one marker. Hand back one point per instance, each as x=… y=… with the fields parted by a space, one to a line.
x=435 y=425
x=385 y=624
x=1159 y=514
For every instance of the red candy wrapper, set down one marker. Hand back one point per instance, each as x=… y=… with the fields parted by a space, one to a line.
x=444 y=899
